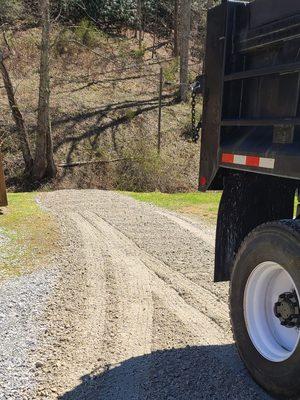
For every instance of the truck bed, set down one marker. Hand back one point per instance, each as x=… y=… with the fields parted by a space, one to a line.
x=251 y=114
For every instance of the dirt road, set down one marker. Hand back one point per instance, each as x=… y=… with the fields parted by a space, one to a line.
x=134 y=314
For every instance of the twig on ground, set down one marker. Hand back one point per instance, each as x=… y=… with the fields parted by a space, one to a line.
x=82 y=163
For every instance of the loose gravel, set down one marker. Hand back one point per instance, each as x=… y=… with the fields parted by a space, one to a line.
x=127 y=311
x=22 y=304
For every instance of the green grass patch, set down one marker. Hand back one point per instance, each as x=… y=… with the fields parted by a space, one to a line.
x=28 y=234
x=204 y=205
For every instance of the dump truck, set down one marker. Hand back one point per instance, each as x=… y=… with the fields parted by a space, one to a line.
x=250 y=149
x=3 y=196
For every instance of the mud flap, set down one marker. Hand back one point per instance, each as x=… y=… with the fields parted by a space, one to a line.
x=248 y=200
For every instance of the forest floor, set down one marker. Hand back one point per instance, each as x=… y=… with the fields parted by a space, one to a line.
x=125 y=310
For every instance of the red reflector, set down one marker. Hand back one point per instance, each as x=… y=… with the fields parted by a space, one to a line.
x=203 y=181
x=227 y=158
x=252 y=161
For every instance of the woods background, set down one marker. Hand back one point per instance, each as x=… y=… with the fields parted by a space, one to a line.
x=96 y=93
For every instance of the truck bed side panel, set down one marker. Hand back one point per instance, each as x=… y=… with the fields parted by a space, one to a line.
x=214 y=71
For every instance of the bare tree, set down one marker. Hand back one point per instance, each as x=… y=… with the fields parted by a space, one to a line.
x=16 y=114
x=139 y=22
x=176 y=29
x=185 y=11
x=44 y=166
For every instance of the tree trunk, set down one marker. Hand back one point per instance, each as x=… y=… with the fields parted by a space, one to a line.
x=140 y=22
x=176 y=30
x=44 y=166
x=184 y=47
x=17 y=116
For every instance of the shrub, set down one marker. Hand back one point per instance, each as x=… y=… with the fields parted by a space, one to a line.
x=87 y=33
x=138 y=54
x=107 y=13
x=115 y=14
x=62 y=43
x=141 y=169
x=130 y=114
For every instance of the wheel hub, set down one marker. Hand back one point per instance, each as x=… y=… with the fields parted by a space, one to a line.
x=287 y=310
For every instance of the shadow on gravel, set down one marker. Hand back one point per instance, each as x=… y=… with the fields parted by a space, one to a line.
x=206 y=372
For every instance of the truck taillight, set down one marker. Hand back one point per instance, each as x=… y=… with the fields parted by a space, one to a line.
x=203 y=181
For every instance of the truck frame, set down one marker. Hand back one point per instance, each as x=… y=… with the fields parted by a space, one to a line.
x=250 y=149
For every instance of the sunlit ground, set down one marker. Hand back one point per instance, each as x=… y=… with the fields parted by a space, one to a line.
x=204 y=205
x=28 y=234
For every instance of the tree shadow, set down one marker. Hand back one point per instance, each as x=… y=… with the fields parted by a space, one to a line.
x=92 y=134
x=191 y=373
x=158 y=45
x=98 y=128
x=112 y=80
x=102 y=111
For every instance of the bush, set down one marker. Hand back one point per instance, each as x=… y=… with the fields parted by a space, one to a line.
x=141 y=169
x=87 y=33
x=130 y=114
x=158 y=16
x=114 y=13
x=109 y=15
x=62 y=43
x=138 y=54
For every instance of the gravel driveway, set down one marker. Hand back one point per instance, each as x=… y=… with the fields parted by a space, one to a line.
x=126 y=311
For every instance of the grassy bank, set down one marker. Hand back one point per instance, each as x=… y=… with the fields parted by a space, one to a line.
x=204 y=205
x=28 y=235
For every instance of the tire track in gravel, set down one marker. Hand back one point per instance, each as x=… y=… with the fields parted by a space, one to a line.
x=169 y=287
x=126 y=329
x=202 y=234
x=75 y=318
x=131 y=289
x=143 y=315
x=193 y=294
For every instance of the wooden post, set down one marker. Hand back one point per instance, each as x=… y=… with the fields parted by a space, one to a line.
x=160 y=110
x=3 y=196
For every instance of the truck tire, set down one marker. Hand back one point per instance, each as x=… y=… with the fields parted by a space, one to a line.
x=264 y=306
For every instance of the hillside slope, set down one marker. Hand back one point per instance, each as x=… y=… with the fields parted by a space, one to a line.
x=104 y=107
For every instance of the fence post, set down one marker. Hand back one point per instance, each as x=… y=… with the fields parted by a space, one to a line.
x=161 y=78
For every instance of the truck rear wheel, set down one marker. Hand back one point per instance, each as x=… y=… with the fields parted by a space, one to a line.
x=264 y=303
